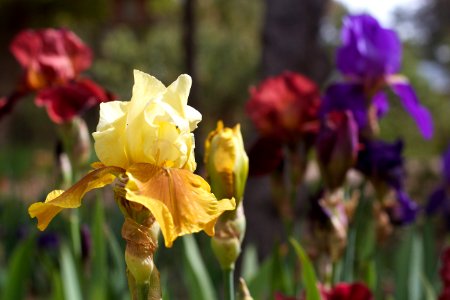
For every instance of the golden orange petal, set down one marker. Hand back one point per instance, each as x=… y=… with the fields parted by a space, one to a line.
x=180 y=201
x=58 y=200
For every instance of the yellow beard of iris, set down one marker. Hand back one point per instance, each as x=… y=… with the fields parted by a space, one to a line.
x=149 y=139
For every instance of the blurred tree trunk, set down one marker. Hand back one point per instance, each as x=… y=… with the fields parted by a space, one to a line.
x=291 y=38
x=189 y=29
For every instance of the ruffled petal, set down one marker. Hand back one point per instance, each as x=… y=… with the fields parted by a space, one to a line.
x=411 y=104
x=58 y=200
x=180 y=201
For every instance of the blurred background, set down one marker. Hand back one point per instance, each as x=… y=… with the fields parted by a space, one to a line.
x=226 y=46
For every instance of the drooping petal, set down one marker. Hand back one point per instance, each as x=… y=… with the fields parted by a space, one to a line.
x=405 y=211
x=64 y=102
x=436 y=201
x=380 y=101
x=58 y=199
x=180 y=201
x=410 y=102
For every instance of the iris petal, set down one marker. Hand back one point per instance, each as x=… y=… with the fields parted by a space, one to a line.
x=180 y=201
x=411 y=104
x=58 y=200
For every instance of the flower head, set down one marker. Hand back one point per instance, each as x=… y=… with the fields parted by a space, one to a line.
x=285 y=107
x=52 y=60
x=147 y=143
x=369 y=58
x=154 y=127
x=50 y=56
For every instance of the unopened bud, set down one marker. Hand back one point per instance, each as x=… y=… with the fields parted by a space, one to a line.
x=337 y=146
x=226 y=243
x=226 y=162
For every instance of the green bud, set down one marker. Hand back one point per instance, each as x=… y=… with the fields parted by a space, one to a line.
x=226 y=243
x=226 y=162
x=140 y=267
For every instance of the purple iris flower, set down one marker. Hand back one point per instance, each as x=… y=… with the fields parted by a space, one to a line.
x=368 y=50
x=382 y=163
x=351 y=97
x=370 y=56
x=439 y=200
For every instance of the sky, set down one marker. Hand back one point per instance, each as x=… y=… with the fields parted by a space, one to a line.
x=380 y=9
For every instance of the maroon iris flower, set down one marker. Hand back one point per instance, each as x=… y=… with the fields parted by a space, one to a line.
x=52 y=60
x=337 y=147
x=369 y=59
x=284 y=109
x=341 y=291
x=444 y=273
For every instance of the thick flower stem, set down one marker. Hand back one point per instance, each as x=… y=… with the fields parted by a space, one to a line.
x=229 y=284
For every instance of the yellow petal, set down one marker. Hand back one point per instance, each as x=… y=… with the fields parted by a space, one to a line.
x=58 y=199
x=177 y=93
x=146 y=88
x=180 y=201
x=110 y=138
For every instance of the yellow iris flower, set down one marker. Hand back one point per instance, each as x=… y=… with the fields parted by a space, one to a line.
x=148 y=140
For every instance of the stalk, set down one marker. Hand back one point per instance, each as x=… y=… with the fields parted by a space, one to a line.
x=229 y=284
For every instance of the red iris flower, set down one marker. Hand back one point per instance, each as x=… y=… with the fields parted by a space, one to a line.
x=285 y=106
x=341 y=291
x=52 y=60
x=285 y=110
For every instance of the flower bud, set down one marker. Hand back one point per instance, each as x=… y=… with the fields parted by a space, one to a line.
x=226 y=243
x=337 y=146
x=140 y=267
x=226 y=162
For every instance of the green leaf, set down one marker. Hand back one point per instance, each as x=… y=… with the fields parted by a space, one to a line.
x=416 y=267
x=117 y=281
x=69 y=275
x=199 y=283
x=430 y=294
x=18 y=271
x=98 y=282
x=250 y=263
x=308 y=274
x=259 y=285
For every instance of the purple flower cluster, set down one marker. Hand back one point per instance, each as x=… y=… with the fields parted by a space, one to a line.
x=369 y=58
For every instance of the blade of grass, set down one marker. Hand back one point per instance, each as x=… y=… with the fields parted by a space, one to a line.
x=200 y=284
x=18 y=271
x=308 y=274
x=69 y=275
x=416 y=266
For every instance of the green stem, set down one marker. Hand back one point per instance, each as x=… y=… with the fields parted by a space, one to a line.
x=229 y=284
